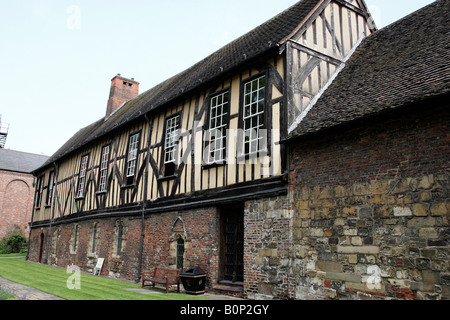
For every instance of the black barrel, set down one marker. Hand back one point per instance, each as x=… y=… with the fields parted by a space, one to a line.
x=194 y=280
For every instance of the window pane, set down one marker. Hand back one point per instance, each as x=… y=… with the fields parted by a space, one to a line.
x=82 y=176
x=172 y=135
x=254 y=106
x=218 y=126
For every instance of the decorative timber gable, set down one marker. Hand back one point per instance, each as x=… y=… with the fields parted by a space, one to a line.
x=318 y=49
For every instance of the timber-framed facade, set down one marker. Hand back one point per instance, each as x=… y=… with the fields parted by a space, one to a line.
x=197 y=170
x=206 y=142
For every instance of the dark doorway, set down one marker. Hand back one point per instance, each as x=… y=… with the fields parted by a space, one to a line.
x=41 y=247
x=232 y=245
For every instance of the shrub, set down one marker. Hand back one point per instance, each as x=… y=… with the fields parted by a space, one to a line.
x=15 y=243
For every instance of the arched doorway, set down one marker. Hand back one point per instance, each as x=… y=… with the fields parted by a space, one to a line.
x=41 y=247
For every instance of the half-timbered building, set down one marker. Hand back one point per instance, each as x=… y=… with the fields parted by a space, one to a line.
x=195 y=171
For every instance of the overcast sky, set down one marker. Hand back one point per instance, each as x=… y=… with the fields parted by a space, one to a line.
x=58 y=57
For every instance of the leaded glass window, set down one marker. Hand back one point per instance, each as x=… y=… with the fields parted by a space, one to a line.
x=253 y=115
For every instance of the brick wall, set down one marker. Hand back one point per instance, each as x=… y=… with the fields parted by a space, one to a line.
x=201 y=243
x=372 y=210
x=16 y=201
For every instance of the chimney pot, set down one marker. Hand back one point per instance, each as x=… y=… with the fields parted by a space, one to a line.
x=122 y=91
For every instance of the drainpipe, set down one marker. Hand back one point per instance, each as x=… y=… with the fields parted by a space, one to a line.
x=141 y=246
x=32 y=218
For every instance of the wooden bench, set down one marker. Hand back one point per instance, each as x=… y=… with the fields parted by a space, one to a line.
x=164 y=276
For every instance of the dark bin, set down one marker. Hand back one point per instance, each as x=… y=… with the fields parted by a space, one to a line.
x=194 y=280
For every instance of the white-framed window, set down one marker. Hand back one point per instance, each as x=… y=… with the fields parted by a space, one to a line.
x=217 y=132
x=133 y=148
x=253 y=115
x=103 y=176
x=171 y=139
x=82 y=176
x=39 y=190
x=50 y=188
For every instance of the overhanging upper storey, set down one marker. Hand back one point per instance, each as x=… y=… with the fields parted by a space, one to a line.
x=213 y=132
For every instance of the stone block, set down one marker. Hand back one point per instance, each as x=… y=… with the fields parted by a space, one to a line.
x=425 y=182
x=267 y=252
x=383 y=211
x=402 y=212
x=301 y=252
x=379 y=288
x=420 y=210
x=358 y=249
x=302 y=205
x=429 y=233
x=356 y=241
x=353 y=258
x=362 y=189
x=326 y=193
x=365 y=213
x=339 y=191
x=340 y=276
x=379 y=187
x=424 y=196
x=431 y=276
x=398 y=186
x=439 y=209
x=350 y=212
x=304 y=214
x=329 y=266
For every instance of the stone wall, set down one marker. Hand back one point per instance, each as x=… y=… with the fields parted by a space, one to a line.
x=268 y=249
x=372 y=210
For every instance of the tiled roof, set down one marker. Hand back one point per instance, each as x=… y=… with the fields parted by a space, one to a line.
x=18 y=161
x=406 y=62
x=255 y=43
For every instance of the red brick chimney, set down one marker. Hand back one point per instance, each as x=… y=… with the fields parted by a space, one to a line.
x=122 y=90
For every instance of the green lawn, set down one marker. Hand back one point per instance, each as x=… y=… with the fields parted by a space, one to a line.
x=54 y=281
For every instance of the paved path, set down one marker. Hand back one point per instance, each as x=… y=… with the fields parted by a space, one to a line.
x=21 y=291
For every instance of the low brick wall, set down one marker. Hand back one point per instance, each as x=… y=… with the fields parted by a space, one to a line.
x=198 y=228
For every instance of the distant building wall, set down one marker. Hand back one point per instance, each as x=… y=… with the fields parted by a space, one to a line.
x=16 y=201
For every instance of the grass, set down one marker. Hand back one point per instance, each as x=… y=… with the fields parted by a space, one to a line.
x=54 y=281
x=12 y=255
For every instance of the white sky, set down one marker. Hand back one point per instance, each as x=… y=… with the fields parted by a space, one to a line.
x=57 y=57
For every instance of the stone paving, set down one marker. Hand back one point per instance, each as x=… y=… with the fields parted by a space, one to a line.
x=25 y=293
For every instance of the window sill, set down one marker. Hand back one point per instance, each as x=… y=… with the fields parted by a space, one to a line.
x=214 y=164
x=253 y=155
x=174 y=176
x=98 y=193
x=128 y=186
